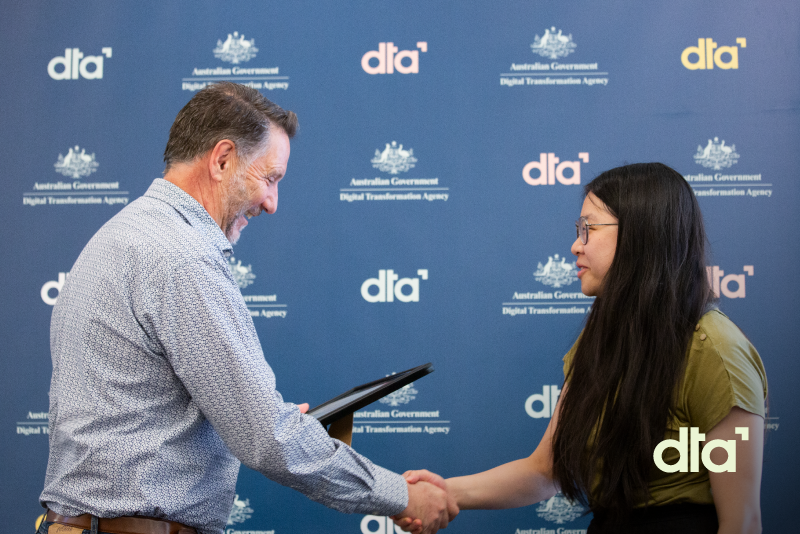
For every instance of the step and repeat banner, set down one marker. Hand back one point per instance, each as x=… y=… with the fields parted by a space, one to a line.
x=427 y=213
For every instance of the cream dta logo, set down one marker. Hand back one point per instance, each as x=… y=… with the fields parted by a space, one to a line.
x=75 y=65
x=388 y=290
x=688 y=457
x=720 y=282
x=390 y=59
x=707 y=57
x=551 y=170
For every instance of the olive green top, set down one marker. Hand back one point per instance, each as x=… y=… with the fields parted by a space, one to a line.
x=723 y=370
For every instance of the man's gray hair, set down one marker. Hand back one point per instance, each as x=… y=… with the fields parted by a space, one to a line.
x=225 y=110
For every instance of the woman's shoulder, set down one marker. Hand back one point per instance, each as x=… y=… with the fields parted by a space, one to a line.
x=724 y=368
x=716 y=334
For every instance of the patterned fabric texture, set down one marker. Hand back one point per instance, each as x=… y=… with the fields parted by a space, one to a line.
x=160 y=387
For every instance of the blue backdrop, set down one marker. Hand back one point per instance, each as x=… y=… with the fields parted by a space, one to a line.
x=442 y=151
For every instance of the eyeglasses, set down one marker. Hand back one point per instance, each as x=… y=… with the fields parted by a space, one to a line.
x=582 y=228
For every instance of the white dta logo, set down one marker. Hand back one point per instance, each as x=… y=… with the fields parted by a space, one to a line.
x=384 y=525
x=551 y=170
x=76 y=164
x=720 y=283
x=715 y=155
x=390 y=59
x=707 y=57
x=235 y=49
x=553 y=45
x=388 y=290
x=75 y=65
x=394 y=159
x=548 y=398
x=53 y=284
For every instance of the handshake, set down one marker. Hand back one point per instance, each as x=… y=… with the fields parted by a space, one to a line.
x=430 y=505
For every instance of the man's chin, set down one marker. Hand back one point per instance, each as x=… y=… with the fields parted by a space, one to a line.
x=235 y=231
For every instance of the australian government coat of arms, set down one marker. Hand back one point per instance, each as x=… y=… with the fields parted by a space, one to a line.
x=556 y=272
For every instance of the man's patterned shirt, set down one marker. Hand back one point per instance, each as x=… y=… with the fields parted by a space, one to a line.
x=160 y=387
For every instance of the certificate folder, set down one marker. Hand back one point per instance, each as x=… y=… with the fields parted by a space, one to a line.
x=338 y=411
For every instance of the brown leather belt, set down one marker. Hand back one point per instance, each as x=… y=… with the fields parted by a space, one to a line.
x=122 y=525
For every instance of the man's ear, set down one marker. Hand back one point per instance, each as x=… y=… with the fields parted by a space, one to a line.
x=222 y=159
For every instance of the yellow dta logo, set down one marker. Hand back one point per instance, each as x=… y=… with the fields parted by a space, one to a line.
x=707 y=57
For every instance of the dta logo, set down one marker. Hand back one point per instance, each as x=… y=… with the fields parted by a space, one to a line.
x=721 y=283
x=404 y=395
x=240 y=512
x=549 y=172
x=716 y=155
x=235 y=49
x=556 y=272
x=707 y=57
x=548 y=397
x=76 y=164
x=553 y=45
x=75 y=67
x=559 y=509
x=53 y=284
x=242 y=275
x=687 y=448
x=389 y=60
x=394 y=159
x=384 y=525
x=388 y=290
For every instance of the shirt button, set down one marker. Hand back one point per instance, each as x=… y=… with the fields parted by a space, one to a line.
x=697 y=327
x=702 y=337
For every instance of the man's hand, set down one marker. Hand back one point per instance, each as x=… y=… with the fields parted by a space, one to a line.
x=412 y=477
x=303 y=407
x=429 y=506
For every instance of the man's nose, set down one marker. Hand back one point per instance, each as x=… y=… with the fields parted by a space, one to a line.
x=270 y=203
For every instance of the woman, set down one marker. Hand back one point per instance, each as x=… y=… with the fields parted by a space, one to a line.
x=654 y=356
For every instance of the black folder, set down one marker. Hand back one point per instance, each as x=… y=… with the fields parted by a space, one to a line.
x=365 y=394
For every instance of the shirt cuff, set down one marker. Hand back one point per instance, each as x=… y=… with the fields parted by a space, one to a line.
x=389 y=494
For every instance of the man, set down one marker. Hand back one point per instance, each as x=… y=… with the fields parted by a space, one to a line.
x=160 y=387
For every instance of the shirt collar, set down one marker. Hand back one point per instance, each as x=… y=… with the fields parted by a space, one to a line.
x=192 y=211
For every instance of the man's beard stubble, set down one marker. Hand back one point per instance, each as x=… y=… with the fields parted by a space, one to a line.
x=236 y=203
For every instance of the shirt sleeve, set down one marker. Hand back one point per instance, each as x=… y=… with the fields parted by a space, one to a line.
x=723 y=370
x=206 y=333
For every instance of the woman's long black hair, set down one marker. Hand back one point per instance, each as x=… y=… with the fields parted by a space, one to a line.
x=630 y=358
